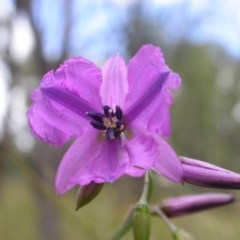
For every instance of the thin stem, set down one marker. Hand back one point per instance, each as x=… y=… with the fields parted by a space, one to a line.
x=161 y=214
x=144 y=196
x=127 y=224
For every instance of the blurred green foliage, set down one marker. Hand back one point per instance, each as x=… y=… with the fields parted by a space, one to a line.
x=101 y=218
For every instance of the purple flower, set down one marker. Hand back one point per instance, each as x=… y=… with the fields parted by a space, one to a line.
x=208 y=175
x=118 y=116
x=178 y=206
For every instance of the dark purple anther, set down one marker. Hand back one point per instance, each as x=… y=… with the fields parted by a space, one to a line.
x=106 y=110
x=96 y=116
x=118 y=113
x=119 y=124
x=97 y=125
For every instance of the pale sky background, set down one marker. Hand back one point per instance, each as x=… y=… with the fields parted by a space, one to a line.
x=220 y=25
x=221 y=22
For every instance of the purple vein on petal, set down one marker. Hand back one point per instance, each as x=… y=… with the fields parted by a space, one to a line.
x=72 y=102
x=146 y=98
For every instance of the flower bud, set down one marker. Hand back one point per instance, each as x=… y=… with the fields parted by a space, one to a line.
x=87 y=193
x=141 y=222
x=208 y=175
x=178 y=206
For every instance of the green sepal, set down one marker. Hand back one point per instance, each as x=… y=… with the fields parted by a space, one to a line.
x=87 y=193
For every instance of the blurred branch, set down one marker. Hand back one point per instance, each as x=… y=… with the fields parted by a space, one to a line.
x=42 y=157
x=67 y=29
x=43 y=64
x=26 y=6
x=140 y=28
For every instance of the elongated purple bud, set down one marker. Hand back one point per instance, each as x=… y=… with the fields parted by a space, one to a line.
x=178 y=206
x=208 y=175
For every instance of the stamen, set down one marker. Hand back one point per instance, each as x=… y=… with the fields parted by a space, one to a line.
x=110 y=113
x=97 y=125
x=118 y=113
x=110 y=121
x=111 y=133
x=96 y=116
x=119 y=124
x=106 y=110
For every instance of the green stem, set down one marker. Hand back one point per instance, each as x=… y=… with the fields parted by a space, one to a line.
x=125 y=226
x=128 y=221
x=145 y=192
x=161 y=214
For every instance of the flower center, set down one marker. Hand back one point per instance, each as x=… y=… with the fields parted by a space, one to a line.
x=110 y=121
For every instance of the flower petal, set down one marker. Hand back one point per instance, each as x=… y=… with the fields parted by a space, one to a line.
x=52 y=122
x=91 y=159
x=114 y=85
x=78 y=157
x=143 y=152
x=147 y=150
x=82 y=78
x=58 y=111
x=108 y=166
x=148 y=74
x=168 y=163
x=122 y=156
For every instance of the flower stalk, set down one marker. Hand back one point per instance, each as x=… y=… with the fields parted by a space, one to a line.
x=141 y=224
x=146 y=189
x=164 y=217
x=125 y=227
